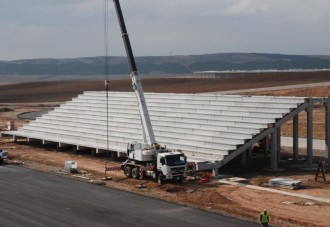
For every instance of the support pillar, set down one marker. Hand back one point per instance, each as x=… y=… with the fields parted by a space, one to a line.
x=249 y=152
x=310 y=132
x=327 y=130
x=266 y=143
x=273 y=158
x=278 y=136
x=243 y=156
x=295 y=137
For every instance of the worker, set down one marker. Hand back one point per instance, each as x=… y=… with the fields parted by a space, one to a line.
x=264 y=218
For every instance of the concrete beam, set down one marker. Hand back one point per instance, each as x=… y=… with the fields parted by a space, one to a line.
x=287 y=117
x=242 y=148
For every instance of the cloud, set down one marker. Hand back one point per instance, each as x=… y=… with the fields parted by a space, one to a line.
x=62 y=28
x=243 y=7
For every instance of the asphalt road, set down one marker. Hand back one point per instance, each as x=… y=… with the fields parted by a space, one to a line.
x=33 y=198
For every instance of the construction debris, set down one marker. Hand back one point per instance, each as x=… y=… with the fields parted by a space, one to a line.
x=285 y=183
x=206 y=177
x=71 y=166
x=190 y=190
x=13 y=162
x=237 y=179
x=140 y=186
x=298 y=203
x=106 y=178
x=82 y=177
x=96 y=182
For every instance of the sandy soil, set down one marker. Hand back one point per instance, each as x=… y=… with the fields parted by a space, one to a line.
x=212 y=196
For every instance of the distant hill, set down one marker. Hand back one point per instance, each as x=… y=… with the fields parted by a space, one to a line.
x=163 y=64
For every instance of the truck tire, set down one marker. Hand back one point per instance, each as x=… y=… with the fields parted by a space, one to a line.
x=128 y=171
x=135 y=173
x=160 y=179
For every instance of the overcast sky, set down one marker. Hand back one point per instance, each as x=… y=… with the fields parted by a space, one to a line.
x=74 y=28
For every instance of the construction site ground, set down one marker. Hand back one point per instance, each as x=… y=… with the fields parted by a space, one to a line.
x=231 y=200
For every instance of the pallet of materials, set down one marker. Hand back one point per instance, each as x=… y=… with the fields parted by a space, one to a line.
x=285 y=183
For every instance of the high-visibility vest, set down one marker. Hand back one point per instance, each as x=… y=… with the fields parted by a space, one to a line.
x=264 y=217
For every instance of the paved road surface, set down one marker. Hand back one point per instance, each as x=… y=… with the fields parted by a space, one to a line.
x=32 y=198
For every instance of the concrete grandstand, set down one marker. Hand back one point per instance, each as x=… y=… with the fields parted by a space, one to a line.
x=211 y=129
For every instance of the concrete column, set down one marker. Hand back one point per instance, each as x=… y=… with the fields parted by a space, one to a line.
x=249 y=152
x=295 y=137
x=310 y=132
x=278 y=131
x=274 y=145
x=266 y=143
x=327 y=130
x=243 y=156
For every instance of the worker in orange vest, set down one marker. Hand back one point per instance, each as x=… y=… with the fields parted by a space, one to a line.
x=264 y=218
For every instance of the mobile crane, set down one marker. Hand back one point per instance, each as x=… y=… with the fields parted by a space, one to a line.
x=147 y=158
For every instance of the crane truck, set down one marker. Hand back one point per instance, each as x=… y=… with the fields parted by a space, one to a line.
x=147 y=158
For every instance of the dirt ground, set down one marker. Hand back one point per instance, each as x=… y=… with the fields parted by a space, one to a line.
x=213 y=196
x=58 y=91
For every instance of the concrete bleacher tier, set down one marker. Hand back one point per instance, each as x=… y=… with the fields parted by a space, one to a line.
x=206 y=127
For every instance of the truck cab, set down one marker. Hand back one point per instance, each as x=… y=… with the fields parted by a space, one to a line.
x=171 y=166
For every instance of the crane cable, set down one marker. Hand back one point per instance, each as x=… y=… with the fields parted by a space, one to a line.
x=106 y=70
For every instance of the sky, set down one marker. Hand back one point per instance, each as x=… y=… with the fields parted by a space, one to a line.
x=75 y=28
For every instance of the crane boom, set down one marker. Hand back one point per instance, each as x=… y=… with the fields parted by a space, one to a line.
x=149 y=136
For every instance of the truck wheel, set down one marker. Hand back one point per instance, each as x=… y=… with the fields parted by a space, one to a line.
x=160 y=179
x=135 y=173
x=128 y=171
